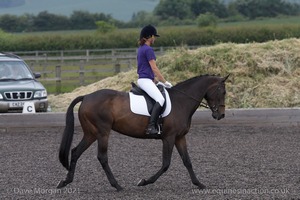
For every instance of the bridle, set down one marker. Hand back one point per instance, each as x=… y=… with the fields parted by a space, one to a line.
x=213 y=108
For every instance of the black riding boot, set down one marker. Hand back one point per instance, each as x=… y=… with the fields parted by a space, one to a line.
x=152 y=129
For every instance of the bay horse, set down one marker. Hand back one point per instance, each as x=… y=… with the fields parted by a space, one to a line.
x=106 y=110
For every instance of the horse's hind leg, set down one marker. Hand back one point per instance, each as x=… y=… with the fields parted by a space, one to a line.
x=102 y=157
x=75 y=154
x=168 y=145
x=182 y=150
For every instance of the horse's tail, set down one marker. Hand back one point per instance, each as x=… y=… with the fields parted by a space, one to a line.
x=67 y=137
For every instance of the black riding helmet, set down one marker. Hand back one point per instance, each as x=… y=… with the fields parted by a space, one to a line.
x=148 y=31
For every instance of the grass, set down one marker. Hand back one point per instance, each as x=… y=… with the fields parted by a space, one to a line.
x=282 y=20
x=70 y=77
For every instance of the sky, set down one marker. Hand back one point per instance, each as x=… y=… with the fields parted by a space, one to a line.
x=119 y=9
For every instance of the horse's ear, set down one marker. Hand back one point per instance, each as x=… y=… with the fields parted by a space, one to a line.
x=226 y=77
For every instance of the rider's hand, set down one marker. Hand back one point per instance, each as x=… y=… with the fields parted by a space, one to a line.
x=168 y=84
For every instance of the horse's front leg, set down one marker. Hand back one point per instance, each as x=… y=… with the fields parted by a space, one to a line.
x=182 y=150
x=168 y=144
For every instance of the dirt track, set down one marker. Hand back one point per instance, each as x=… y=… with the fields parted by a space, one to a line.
x=233 y=162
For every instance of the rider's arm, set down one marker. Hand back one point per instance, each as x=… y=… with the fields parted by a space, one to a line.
x=156 y=71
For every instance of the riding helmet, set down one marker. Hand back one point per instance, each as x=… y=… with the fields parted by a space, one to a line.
x=148 y=31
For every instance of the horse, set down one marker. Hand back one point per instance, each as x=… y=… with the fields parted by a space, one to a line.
x=105 y=110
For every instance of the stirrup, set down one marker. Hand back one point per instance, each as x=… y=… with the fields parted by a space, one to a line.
x=152 y=131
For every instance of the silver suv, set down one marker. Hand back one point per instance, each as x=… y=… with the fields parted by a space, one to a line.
x=18 y=85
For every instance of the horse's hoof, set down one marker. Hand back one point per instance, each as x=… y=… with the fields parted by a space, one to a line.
x=142 y=182
x=61 y=184
x=201 y=186
x=119 y=189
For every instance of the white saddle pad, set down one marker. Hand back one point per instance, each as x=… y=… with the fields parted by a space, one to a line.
x=138 y=104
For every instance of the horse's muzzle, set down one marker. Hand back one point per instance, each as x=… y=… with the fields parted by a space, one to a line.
x=217 y=115
x=221 y=116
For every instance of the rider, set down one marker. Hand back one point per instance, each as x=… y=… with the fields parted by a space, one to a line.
x=147 y=72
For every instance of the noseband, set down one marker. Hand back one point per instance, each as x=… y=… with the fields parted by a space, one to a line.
x=215 y=108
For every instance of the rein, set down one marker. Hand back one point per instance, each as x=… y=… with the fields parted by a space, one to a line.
x=205 y=105
x=214 y=108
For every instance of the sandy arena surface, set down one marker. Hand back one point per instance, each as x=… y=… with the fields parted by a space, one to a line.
x=233 y=162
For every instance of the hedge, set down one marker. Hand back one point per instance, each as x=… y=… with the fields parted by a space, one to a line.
x=127 y=38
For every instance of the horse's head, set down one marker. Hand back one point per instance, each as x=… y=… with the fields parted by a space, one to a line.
x=215 y=97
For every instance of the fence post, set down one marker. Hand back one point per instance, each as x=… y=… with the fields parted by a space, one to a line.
x=36 y=55
x=81 y=73
x=130 y=64
x=115 y=60
x=58 y=79
x=87 y=55
x=62 y=56
x=117 y=68
x=113 y=56
x=44 y=69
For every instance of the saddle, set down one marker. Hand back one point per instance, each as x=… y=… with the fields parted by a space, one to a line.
x=150 y=102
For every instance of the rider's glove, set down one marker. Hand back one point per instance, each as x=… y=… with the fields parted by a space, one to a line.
x=168 y=84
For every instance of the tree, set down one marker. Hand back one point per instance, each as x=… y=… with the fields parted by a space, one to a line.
x=169 y=8
x=12 y=23
x=82 y=20
x=264 y=8
x=142 y=18
x=45 y=21
x=104 y=27
x=8 y=22
x=209 y=6
x=207 y=19
x=85 y=20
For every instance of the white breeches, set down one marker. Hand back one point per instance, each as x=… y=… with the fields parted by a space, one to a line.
x=151 y=89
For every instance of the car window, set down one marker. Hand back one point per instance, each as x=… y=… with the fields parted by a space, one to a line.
x=14 y=70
